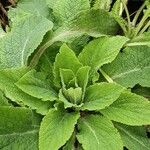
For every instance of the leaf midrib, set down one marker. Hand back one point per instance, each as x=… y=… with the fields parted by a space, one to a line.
x=126 y=132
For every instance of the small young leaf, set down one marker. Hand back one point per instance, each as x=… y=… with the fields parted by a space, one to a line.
x=67 y=103
x=83 y=76
x=129 y=109
x=17 y=130
x=36 y=86
x=98 y=96
x=101 y=51
x=131 y=67
x=66 y=59
x=98 y=133
x=56 y=128
x=66 y=76
x=134 y=138
x=15 y=54
x=74 y=95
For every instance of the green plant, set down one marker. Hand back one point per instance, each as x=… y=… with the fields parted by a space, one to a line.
x=62 y=89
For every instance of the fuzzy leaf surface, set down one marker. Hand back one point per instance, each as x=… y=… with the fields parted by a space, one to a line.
x=20 y=42
x=65 y=59
x=65 y=10
x=101 y=51
x=134 y=138
x=34 y=84
x=131 y=67
x=91 y=22
x=97 y=132
x=17 y=130
x=8 y=78
x=35 y=7
x=129 y=109
x=56 y=128
x=98 y=96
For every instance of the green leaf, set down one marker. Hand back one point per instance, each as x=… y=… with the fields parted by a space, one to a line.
x=66 y=59
x=95 y=23
x=102 y=4
x=83 y=76
x=66 y=76
x=35 y=7
x=15 y=54
x=134 y=138
x=116 y=8
x=17 y=130
x=92 y=22
x=101 y=51
x=129 y=109
x=67 y=103
x=131 y=67
x=98 y=133
x=65 y=10
x=46 y=61
x=70 y=143
x=98 y=96
x=8 y=78
x=56 y=128
x=74 y=95
x=34 y=84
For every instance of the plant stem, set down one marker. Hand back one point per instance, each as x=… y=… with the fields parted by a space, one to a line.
x=140 y=25
x=144 y=28
x=137 y=44
x=128 y=16
x=138 y=14
x=106 y=76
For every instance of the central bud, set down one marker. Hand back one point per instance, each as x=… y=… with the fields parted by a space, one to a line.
x=73 y=95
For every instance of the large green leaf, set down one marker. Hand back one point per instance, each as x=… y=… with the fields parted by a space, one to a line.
x=98 y=96
x=129 y=109
x=35 y=7
x=66 y=59
x=56 y=128
x=34 y=84
x=17 y=130
x=8 y=78
x=131 y=67
x=91 y=22
x=134 y=138
x=65 y=10
x=20 y=43
x=101 y=51
x=98 y=133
